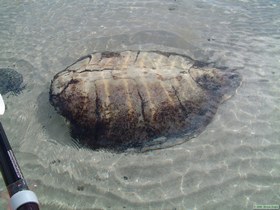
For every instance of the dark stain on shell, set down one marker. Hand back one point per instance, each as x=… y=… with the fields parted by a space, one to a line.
x=119 y=100
x=10 y=81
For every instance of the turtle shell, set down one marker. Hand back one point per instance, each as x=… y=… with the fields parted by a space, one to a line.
x=129 y=99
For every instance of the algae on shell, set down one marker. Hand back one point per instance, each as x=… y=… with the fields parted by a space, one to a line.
x=127 y=99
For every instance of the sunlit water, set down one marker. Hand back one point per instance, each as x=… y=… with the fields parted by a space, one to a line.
x=233 y=164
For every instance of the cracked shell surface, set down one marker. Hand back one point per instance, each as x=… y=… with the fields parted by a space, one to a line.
x=136 y=99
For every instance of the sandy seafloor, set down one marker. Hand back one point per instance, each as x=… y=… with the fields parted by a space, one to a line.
x=234 y=164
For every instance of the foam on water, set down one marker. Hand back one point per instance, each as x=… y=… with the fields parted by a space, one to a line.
x=233 y=164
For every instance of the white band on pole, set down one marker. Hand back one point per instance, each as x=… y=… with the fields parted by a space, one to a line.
x=23 y=197
x=2 y=105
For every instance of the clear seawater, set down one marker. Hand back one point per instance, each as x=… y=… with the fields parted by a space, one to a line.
x=234 y=164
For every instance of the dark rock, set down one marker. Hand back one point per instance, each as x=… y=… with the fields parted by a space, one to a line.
x=80 y=188
x=10 y=81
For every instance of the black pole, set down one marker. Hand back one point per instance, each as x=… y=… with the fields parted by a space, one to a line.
x=13 y=178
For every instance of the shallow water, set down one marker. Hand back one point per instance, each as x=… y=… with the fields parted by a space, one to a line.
x=233 y=164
